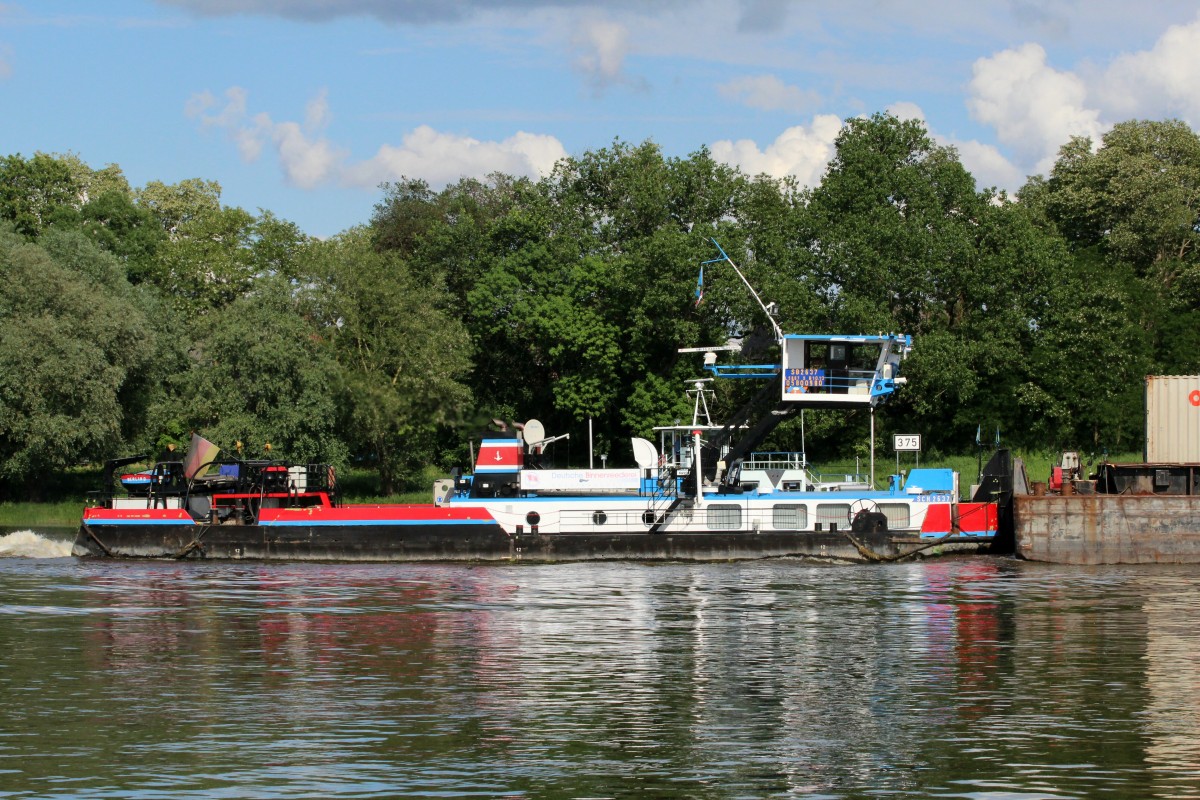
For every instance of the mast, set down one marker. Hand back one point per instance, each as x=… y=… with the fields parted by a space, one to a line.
x=766 y=310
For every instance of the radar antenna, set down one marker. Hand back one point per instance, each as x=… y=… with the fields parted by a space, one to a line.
x=701 y=405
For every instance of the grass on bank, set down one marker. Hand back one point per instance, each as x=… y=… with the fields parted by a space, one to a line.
x=362 y=485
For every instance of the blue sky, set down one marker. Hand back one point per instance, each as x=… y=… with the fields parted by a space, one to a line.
x=304 y=107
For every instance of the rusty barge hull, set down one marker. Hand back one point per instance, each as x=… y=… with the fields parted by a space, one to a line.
x=1108 y=529
x=492 y=544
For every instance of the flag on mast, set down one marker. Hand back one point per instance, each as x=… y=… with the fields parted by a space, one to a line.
x=700 y=286
x=200 y=455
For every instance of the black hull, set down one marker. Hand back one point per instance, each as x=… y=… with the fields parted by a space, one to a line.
x=476 y=543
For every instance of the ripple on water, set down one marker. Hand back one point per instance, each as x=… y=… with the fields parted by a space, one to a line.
x=961 y=678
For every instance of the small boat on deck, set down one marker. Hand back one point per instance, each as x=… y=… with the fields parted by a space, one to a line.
x=702 y=492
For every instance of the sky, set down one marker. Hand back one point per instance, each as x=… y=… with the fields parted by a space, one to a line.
x=306 y=107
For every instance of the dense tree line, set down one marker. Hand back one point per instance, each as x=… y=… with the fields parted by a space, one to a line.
x=130 y=317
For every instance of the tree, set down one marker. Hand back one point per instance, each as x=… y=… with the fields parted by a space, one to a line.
x=31 y=190
x=900 y=240
x=128 y=231
x=177 y=204
x=262 y=372
x=402 y=354
x=76 y=351
x=1135 y=201
x=587 y=289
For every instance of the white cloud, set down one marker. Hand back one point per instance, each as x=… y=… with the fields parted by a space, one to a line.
x=1033 y=107
x=316 y=112
x=802 y=152
x=306 y=162
x=309 y=159
x=442 y=158
x=601 y=47
x=1164 y=78
x=768 y=93
x=199 y=104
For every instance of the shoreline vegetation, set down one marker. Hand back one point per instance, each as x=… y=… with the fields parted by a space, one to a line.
x=362 y=485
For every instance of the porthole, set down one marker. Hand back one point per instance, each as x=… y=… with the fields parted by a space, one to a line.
x=533 y=518
x=599 y=518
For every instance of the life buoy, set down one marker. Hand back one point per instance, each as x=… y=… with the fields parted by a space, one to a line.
x=1194 y=398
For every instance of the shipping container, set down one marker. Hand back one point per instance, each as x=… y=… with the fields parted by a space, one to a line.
x=1172 y=419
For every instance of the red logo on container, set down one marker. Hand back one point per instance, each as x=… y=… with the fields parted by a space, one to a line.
x=1194 y=397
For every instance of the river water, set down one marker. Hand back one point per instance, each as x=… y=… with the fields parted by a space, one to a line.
x=976 y=678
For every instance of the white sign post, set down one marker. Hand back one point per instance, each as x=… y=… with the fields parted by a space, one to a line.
x=906 y=443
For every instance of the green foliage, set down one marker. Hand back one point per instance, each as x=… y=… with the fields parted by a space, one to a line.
x=898 y=239
x=1135 y=203
x=74 y=343
x=33 y=190
x=401 y=354
x=262 y=373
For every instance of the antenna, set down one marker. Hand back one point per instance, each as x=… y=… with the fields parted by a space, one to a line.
x=766 y=310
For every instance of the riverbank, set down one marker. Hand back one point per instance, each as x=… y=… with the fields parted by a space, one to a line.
x=58 y=514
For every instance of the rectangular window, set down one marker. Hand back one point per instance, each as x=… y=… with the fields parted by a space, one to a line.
x=724 y=517
x=833 y=514
x=789 y=517
x=898 y=515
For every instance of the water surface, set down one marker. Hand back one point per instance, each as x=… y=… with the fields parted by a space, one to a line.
x=978 y=678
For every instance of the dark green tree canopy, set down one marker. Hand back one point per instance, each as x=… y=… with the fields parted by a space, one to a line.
x=74 y=345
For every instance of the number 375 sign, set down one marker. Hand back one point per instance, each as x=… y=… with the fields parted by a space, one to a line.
x=906 y=442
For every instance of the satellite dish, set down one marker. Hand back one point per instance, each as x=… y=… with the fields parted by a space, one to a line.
x=644 y=453
x=534 y=432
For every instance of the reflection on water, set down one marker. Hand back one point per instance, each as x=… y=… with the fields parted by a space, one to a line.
x=1173 y=711
x=960 y=678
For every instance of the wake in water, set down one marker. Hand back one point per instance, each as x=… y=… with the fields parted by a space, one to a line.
x=27 y=544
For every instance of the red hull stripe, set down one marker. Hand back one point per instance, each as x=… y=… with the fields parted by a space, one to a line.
x=376 y=515
x=937 y=520
x=137 y=516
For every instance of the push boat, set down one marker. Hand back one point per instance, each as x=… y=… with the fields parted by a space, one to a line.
x=703 y=492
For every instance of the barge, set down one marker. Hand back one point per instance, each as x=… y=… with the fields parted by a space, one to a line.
x=1126 y=514
x=1145 y=513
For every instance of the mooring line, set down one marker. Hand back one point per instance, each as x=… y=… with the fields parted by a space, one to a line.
x=88 y=530
x=194 y=545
